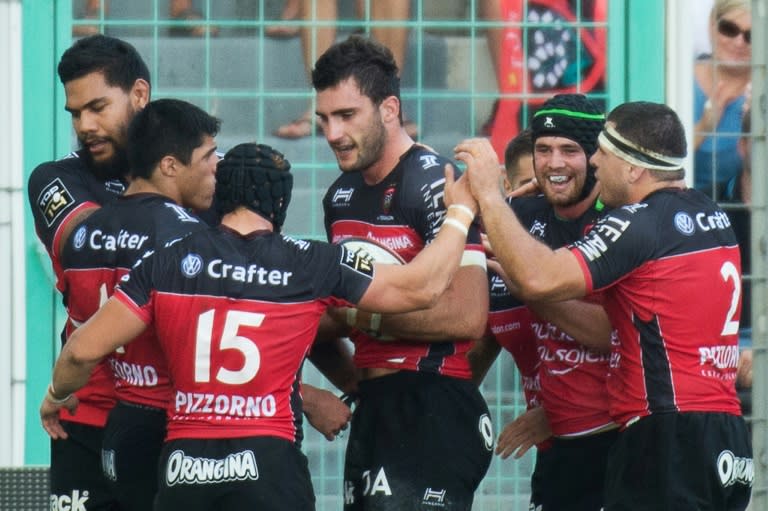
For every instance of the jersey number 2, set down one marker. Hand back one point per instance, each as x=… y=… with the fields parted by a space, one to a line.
x=729 y=272
x=229 y=341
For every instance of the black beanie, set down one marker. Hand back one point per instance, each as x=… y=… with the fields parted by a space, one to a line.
x=575 y=117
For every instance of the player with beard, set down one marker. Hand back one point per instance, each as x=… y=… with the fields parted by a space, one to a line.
x=106 y=82
x=416 y=395
x=572 y=374
x=667 y=263
x=235 y=309
x=173 y=165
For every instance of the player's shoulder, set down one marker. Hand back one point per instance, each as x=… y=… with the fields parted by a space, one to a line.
x=530 y=206
x=68 y=167
x=420 y=160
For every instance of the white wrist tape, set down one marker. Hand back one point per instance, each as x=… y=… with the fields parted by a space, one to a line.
x=456 y=225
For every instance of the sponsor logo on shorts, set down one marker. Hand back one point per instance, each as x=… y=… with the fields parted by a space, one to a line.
x=108 y=464
x=434 y=498
x=377 y=484
x=349 y=492
x=733 y=469
x=183 y=469
x=74 y=502
x=486 y=431
x=54 y=200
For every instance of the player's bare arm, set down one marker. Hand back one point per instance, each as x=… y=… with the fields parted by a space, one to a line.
x=482 y=356
x=586 y=322
x=420 y=283
x=540 y=273
x=114 y=325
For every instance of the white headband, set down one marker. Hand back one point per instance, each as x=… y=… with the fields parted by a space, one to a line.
x=632 y=153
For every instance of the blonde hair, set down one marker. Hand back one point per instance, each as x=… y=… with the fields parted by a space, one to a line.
x=723 y=7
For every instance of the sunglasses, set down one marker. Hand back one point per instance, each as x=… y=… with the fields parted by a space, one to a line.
x=730 y=29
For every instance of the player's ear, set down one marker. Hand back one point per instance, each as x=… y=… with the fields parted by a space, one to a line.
x=168 y=166
x=390 y=109
x=140 y=93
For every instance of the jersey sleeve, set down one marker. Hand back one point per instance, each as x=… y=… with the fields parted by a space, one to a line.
x=426 y=201
x=136 y=289
x=621 y=241
x=345 y=274
x=55 y=194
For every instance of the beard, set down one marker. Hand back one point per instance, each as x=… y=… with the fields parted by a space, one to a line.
x=370 y=147
x=116 y=167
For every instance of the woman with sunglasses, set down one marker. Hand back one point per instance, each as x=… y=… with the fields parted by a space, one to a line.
x=721 y=81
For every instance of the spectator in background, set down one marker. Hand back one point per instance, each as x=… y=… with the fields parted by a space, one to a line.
x=290 y=12
x=315 y=40
x=721 y=81
x=178 y=10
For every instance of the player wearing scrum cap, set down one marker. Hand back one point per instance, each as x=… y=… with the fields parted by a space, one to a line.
x=234 y=349
x=668 y=264
x=571 y=375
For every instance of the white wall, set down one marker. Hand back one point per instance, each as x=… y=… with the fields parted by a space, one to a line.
x=12 y=271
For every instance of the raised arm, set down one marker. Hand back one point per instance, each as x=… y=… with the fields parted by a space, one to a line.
x=420 y=283
x=537 y=271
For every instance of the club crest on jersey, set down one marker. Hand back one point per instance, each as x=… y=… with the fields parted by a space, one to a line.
x=389 y=195
x=54 y=200
x=191 y=265
x=684 y=224
x=80 y=235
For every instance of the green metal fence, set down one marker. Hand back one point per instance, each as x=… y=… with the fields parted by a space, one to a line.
x=256 y=83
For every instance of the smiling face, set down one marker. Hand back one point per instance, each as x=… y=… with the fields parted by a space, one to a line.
x=561 y=169
x=728 y=40
x=352 y=125
x=100 y=116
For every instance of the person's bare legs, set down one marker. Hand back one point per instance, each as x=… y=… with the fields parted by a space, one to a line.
x=314 y=41
x=490 y=10
x=185 y=10
x=394 y=38
x=92 y=11
x=291 y=11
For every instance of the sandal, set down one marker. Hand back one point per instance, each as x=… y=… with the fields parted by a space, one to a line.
x=298 y=128
x=281 y=32
x=191 y=30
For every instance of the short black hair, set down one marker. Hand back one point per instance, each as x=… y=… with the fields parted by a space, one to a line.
x=118 y=60
x=655 y=127
x=521 y=145
x=370 y=63
x=166 y=127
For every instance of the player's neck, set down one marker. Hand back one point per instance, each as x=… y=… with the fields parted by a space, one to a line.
x=141 y=185
x=398 y=143
x=245 y=221
x=574 y=211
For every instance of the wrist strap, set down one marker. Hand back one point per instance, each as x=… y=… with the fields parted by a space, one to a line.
x=456 y=225
x=52 y=396
x=352 y=316
x=464 y=210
